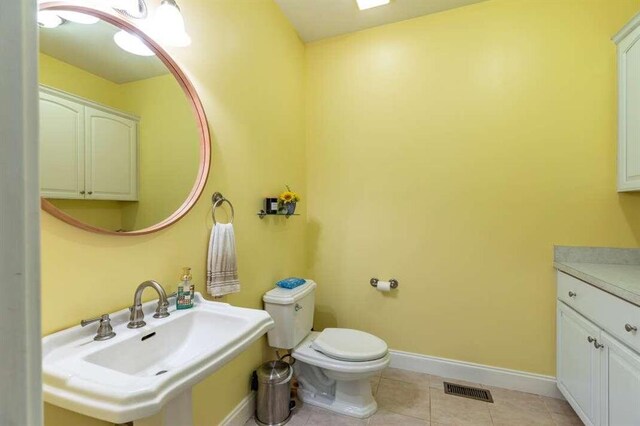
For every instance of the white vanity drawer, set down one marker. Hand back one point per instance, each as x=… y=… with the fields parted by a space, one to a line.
x=609 y=312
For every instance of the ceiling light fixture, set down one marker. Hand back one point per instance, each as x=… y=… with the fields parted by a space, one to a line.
x=168 y=25
x=49 y=19
x=132 y=44
x=136 y=9
x=77 y=17
x=368 y=4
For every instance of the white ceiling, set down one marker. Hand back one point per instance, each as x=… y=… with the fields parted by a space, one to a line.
x=318 y=19
x=91 y=48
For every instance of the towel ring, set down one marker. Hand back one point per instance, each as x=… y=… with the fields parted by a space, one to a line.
x=217 y=199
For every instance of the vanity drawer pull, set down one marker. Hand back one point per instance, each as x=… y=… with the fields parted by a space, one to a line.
x=572 y=294
x=590 y=339
x=82 y=192
x=90 y=192
x=610 y=312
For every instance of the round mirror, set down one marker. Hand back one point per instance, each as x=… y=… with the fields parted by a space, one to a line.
x=124 y=142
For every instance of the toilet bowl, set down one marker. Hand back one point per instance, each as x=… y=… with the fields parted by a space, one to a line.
x=340 y=385
x=333 y=367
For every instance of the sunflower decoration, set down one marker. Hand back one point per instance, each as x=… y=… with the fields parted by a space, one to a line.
x=288 y=196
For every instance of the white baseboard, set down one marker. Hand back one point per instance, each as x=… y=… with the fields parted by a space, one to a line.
x=477 y=373
x=243 y=412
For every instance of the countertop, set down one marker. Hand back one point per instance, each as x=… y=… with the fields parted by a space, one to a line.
x=616 y=271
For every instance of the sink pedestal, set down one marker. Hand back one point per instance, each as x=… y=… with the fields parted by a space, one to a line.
x=177 y=411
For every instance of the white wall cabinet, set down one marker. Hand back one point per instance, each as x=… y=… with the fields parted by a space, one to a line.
x=87 y=151
x=110 y=156
x=598 y=364
x=61 y=147
x=629 y=106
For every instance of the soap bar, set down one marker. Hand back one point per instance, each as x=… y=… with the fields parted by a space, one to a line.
x=291 y=282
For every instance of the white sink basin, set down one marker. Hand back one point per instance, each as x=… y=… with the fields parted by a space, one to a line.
x=127 y=378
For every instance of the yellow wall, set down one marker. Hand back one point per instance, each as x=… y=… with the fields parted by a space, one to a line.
x=451 y=152
x=71 y=79
x=101 y=213
x=247 y=63
x=168 y=149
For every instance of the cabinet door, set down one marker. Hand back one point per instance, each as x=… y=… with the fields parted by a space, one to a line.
x=61 y=147
x=111 y=158
x=629 y=111
x=578 y=363
x=620 y=384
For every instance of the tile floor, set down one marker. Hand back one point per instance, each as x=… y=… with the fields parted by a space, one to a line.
x=408 y=398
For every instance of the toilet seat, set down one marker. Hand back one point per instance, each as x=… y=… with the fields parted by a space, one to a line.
x=305 y=353
x=349 y=345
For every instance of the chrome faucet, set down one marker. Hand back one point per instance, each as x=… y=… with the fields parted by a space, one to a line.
x=136 y=319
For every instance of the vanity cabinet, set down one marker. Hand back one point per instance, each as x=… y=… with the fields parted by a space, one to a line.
x=578 y=362
x=629 y=106
x=598 y=363
x=620 y=383
x=87 y=151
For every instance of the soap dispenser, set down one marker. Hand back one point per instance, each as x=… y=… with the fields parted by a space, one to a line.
x=186 y=290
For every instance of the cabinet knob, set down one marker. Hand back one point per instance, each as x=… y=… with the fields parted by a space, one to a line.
x=297 y=307
x=595 y=342
x=630 y=328
x=571 y=293
x=90 y=192
x=82 y=192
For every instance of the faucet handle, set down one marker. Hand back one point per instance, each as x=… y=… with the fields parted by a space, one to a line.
x=86 y=322
x=162 y=310
x=105 y=331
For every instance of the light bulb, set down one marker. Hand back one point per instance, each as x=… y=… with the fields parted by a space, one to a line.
x=48 y=19
x=132 y=44
x=128 y=5
x=135 y=9
x=368 y=4
x=168 y=25
x=77 y=17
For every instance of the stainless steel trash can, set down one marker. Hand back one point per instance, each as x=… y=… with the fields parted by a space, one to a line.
x=273 y=401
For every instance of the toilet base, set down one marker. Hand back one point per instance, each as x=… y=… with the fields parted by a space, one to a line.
x=351 y=398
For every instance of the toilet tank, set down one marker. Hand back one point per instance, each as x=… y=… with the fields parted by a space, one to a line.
x=292 y=311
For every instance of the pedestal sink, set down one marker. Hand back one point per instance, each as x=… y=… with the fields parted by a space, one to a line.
x=145 y=375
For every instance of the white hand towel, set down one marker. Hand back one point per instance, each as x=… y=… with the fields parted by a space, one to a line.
x=222 y=267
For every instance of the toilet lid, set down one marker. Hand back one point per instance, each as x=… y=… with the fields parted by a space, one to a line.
x=349 y=345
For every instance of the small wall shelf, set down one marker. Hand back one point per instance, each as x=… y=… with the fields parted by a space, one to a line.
x=262 y=214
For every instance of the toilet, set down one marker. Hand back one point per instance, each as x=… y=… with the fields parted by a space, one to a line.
x=333 y=367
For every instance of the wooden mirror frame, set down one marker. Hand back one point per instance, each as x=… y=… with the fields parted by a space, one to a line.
x=193 y=99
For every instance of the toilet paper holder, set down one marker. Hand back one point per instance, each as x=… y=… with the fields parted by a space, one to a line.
x=392 y=281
